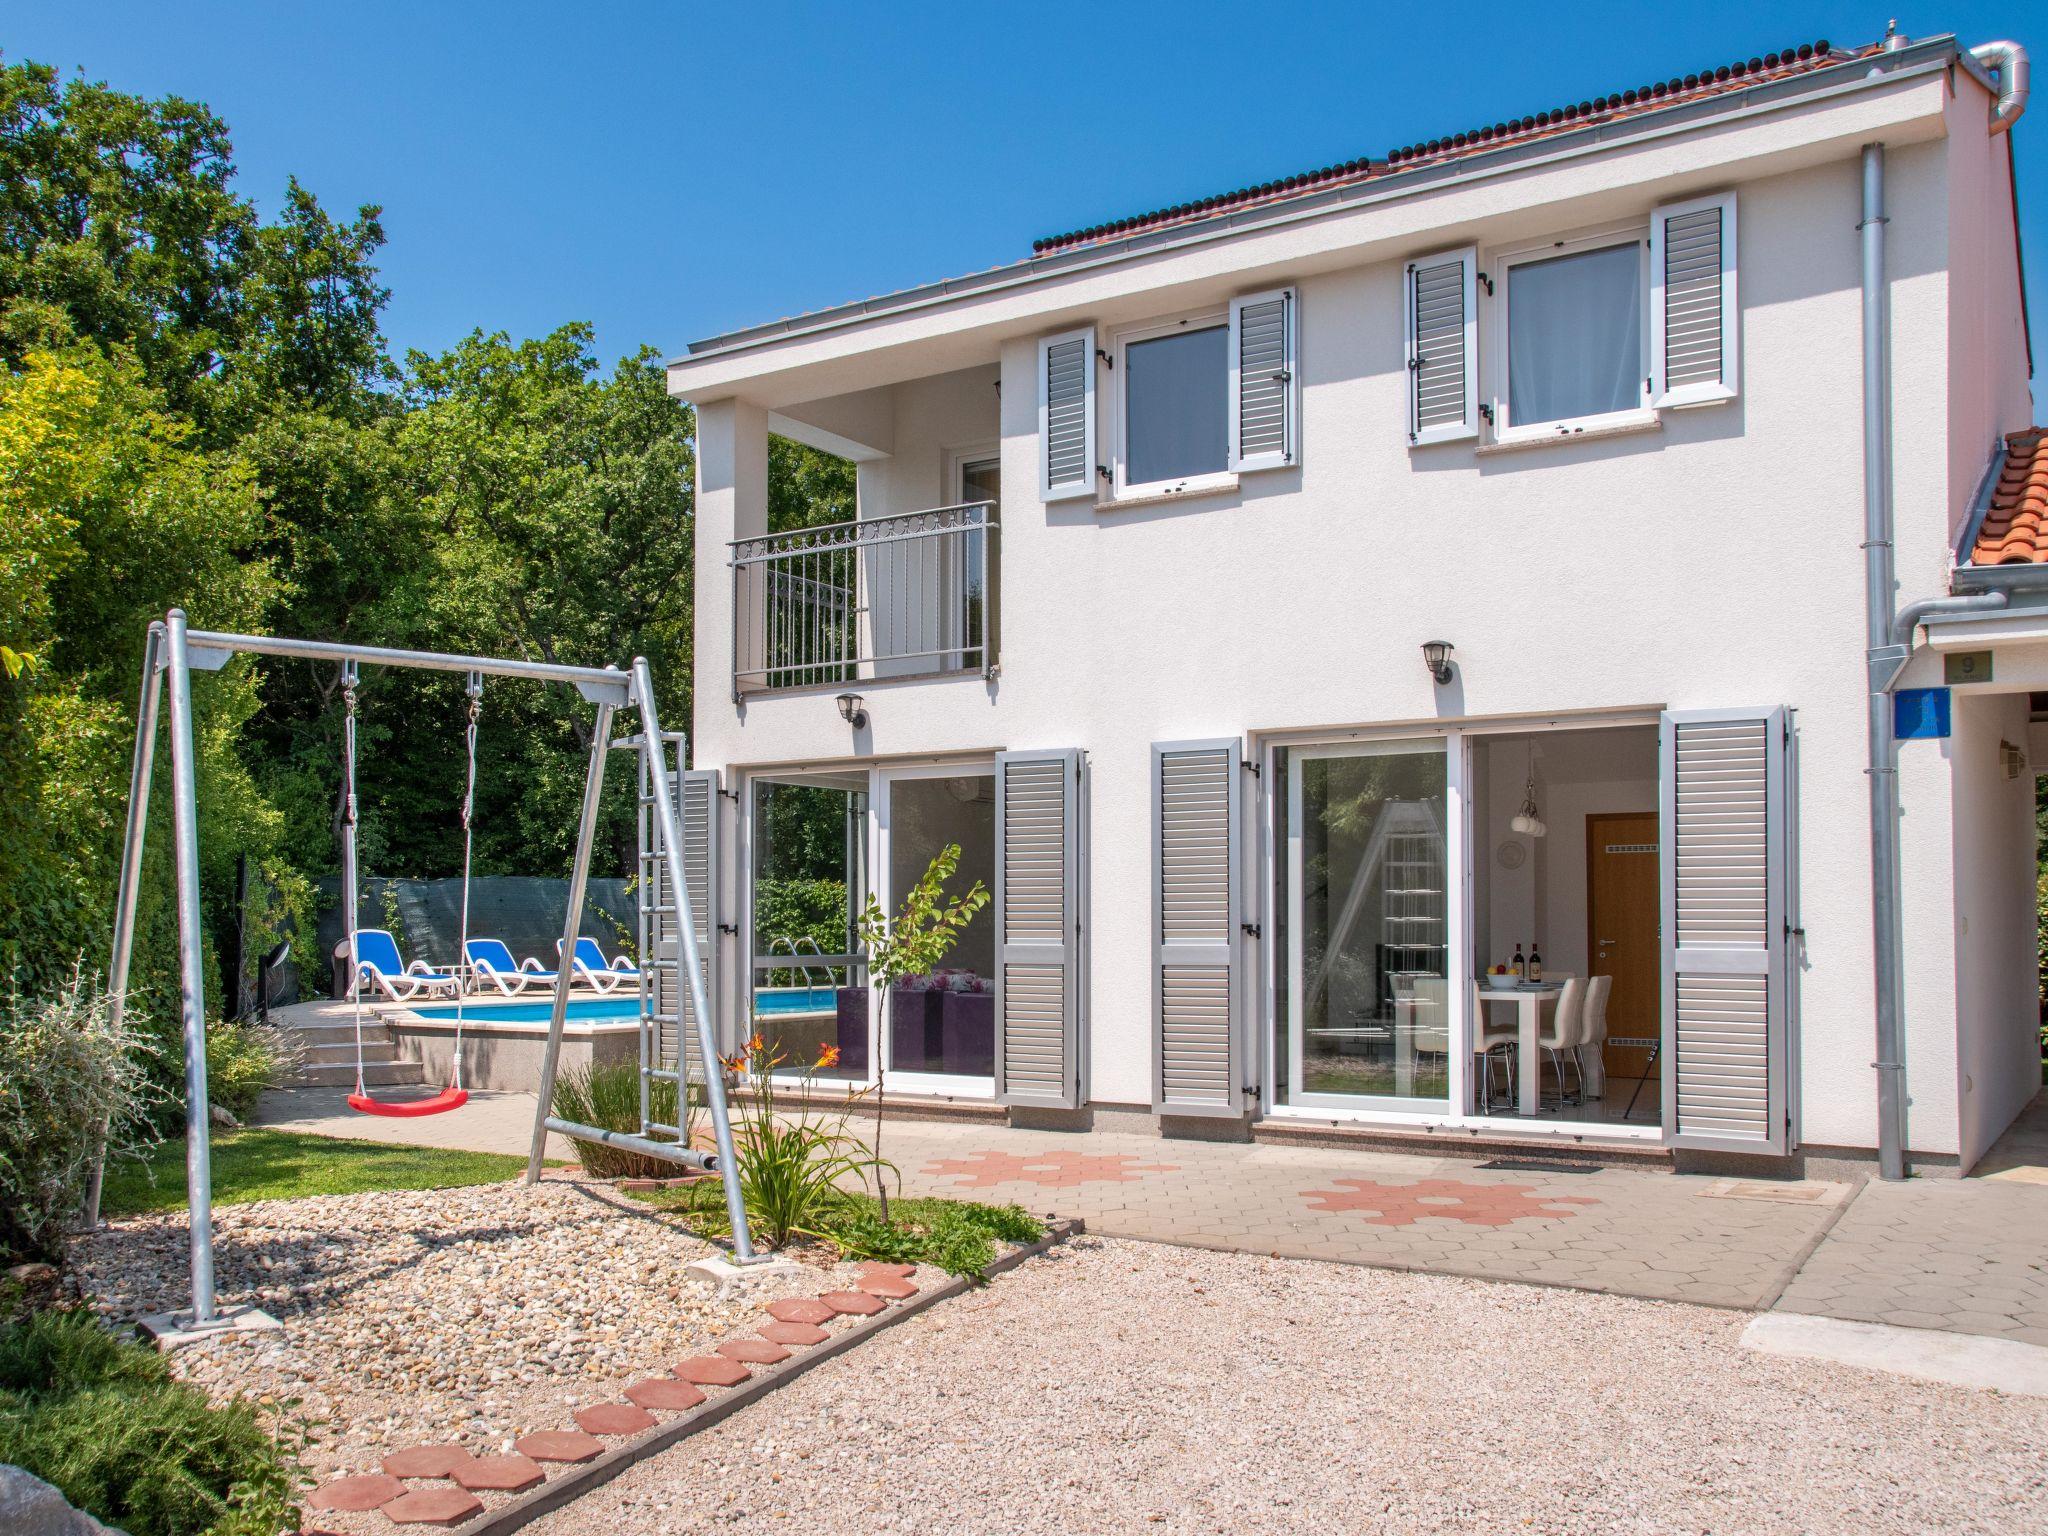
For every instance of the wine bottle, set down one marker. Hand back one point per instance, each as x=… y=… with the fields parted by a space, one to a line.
x=1535 y=964
x=1519 y=965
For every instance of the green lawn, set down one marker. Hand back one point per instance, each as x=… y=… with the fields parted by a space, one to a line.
x=258 y=1164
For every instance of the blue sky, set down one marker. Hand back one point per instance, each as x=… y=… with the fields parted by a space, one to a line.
x=669 y=171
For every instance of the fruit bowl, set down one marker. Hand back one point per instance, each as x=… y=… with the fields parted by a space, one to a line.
x=1501 y=982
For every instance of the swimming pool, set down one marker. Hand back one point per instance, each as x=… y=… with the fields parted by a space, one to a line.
x=773 y=1002
x=584 y=1008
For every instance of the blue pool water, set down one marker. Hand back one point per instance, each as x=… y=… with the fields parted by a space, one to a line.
x=775 y=1001
x=579 y=1008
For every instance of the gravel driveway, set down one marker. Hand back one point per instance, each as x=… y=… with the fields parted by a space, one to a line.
x=1131 y=1387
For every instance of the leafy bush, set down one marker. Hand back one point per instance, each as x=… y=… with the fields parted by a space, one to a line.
x=102 y=1420
x=800 y=909
x=607 y=1095
x=66 y=1070
x=241 y=1061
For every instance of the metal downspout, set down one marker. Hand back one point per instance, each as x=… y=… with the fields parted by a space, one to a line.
x=1882 y=657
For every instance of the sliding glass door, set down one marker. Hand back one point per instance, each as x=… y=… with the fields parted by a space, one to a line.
x=1367 y=885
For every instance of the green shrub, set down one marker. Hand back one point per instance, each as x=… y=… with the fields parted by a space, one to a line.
x=241 y=1061
x=102 y=1420
x=65 y=1071
x=791 y=1161
x=607 y=1095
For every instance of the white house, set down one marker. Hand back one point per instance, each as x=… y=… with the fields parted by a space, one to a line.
x=1298 y=600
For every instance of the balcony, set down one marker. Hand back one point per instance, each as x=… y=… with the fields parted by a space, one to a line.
x=910 y=595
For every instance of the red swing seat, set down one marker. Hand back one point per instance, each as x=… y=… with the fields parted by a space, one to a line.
x=404 y=1109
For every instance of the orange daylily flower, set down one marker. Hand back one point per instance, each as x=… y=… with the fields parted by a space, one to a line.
x=829 y=1056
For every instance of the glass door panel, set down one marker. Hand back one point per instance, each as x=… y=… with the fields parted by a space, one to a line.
x=943 y=1025
x=809 y=992
x=1367 y=892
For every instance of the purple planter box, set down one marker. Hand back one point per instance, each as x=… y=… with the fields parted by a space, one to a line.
x=852 y=1030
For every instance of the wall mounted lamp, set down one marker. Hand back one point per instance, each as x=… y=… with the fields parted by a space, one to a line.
x=1436 y=655
x=852 y=712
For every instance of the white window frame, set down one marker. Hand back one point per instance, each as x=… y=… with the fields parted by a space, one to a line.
x=1451 y=431
x=1731 y=357
x=1234 y=457
x=1508 y=430
x=1121 y=487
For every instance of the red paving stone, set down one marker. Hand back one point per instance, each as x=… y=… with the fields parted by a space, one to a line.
x=800 y=1309
x=433 y=1506
x=853 y=1303
x=559 y=1445
x=711 y=1371
x=1048 y=1170
x=502 y=1474
x=613 y=1419
x=426 y=1461
x=666 y=1393
x=355 y=1494
x=895 y=1287
x=1478 y=1205
x=877 y=1267
x=753 y=1351
x=793 y=1333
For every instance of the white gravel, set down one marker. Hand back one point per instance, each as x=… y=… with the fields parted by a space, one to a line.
x=1121 y=1386
x=475 y=1314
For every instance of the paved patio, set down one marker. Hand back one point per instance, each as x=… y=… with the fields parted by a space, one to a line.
x=1967 y=1256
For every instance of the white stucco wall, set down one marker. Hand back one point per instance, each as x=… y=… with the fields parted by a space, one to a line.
x=1998 y=1057
x=1713 y=562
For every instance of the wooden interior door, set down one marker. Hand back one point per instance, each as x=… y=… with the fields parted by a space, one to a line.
x=1622 y=910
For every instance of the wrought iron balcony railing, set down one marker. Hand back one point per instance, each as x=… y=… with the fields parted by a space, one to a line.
x=910 y=595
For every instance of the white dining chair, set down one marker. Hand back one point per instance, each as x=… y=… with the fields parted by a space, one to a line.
x=1562 y=1037
x=1593 y=1035
x=1487 y=1040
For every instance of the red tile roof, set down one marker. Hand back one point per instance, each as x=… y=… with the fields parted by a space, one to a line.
x=1634 y=102
x=2015 y=527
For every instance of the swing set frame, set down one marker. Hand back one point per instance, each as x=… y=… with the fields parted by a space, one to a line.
x=171 y=655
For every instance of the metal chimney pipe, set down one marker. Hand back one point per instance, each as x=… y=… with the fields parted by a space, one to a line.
x=2010 y=60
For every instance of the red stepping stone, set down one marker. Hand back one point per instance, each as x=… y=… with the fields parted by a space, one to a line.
x=613 y=1419
x=712 y=1371
x=753 y=1351
x=800 y=1309
x=855 y=1303
x=433 y=1506
x=895 y=1287
x=427 y=1461
x=355 y=1494
x=666 y=1393
x=794 y=1333
x=876 y=1267
x=559 y=1445
x=501 y=1474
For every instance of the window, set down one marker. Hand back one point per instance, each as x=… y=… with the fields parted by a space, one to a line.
x=1175 y=393
x=1575 y=336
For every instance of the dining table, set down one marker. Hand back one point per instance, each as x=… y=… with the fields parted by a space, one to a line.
x=1528 y=998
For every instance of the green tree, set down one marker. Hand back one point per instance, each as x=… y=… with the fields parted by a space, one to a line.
x=913 y=943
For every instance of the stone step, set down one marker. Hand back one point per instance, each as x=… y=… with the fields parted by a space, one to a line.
x=383 y=1074
x=345 y=1051
x=326 y=1034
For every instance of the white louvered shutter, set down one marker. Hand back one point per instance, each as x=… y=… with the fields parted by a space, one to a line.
x=1038 y=928
x=1066 y=415
x=674 y=1035
x=1725 y=877
x=1195 y=915
x=1443 y=347
x=1693 y=330
x=1265 y=388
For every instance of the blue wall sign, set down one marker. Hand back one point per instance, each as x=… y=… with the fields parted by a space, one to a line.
x=1920 y=712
